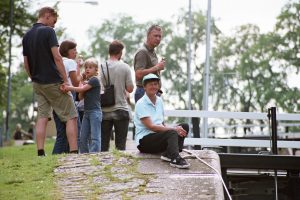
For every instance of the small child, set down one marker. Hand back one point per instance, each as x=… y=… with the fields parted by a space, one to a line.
x=92 y=118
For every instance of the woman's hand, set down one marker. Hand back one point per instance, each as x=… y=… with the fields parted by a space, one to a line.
x=181 y=132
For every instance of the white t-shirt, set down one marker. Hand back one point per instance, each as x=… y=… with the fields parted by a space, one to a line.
x=70 y=66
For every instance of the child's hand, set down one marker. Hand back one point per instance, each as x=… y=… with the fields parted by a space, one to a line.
x=64 y=87
x=79 y=60
x=83 y=77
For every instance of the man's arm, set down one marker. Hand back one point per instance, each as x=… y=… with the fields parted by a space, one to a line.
x=140 y=66
x=75 y=78
x=26 y=66
x=140 y=73
x=129 y=88
x=59 y=63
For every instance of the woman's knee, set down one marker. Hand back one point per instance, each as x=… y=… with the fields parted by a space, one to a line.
x=171 y=133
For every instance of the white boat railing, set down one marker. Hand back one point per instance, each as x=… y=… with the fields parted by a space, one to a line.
x=234 y=115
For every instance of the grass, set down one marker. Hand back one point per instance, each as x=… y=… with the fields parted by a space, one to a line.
x=24 y=175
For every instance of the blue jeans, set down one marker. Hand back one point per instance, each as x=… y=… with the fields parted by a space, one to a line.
x=90 y=134
x=139 y=93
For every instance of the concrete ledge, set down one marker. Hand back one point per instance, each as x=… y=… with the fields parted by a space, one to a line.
x=133 y=175
x=197 y=182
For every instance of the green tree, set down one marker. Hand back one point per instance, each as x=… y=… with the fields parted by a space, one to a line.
x=22 y=20
x=177 y=59
x=250 y=69
x=122 y=28
x=288 y=51
x=21 y=91
x=22 y=100
x=288 y=28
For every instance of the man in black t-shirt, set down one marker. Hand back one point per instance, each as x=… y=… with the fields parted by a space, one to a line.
x=44 y=65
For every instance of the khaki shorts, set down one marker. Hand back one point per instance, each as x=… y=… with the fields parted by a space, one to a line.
x=50 y=96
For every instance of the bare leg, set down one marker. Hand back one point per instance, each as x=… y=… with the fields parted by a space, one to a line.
x=72 y=131
x=41 y=132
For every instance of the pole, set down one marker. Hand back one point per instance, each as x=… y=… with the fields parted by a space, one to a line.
x=206 y=72
x=189 y=60
x=272 y=115
x=190 y=56
x=11 y=14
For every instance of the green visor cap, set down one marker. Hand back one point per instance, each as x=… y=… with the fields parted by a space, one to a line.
x=150 y=77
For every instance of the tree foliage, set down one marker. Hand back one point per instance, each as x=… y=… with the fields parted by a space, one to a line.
x=288 y=29
x=249 y=68
x=122 y=28
x=177 y=51
x=22 y=99
x=22 y=20
x=243 y=74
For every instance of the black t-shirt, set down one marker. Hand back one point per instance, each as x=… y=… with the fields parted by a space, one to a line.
x=92 y=96
x=37 y=44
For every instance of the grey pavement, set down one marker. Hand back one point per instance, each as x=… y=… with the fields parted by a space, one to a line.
x=133 y=175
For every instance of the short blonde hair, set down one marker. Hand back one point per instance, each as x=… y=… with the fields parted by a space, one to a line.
x=91 y=62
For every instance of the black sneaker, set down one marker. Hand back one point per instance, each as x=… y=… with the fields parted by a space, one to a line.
x=179 y=163
x=41 y=152
x=165 y=157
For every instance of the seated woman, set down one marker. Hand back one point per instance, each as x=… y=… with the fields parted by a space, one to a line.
x=20 y=134
x=152 y=135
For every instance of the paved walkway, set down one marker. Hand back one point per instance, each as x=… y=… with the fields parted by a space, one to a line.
x=132 y=175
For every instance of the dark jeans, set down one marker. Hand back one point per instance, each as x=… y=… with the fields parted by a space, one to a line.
x=139 y=93
x=118 y=119
x=81 y=113
x=61 y=143
x=168 y=141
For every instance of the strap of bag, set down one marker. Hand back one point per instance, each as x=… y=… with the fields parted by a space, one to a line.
x=107 y=82
x=107 y=73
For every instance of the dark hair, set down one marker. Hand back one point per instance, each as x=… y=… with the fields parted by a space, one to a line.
x=45 y=10
x=65 y=46
x=153 y=27
x=115 y=47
